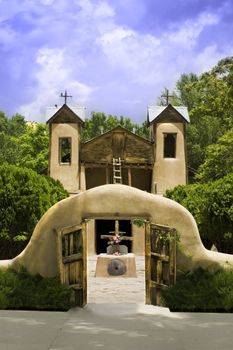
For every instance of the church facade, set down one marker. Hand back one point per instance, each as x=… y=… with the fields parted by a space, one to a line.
x=118 y=156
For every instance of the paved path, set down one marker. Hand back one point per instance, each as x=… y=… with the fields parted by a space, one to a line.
x=116 y=289
x=115 y=327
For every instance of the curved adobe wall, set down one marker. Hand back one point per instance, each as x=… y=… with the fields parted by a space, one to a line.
x=116 y=201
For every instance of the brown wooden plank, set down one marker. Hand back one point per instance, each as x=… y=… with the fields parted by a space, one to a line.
x=157 y=284
x=69 y=229
x=148 y=262
x=160 y=256
x=129 y=176
x=59 y=256
x=72 y=258
x=84 y=262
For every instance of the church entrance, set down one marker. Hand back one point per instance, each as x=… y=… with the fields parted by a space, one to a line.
x=105 y=227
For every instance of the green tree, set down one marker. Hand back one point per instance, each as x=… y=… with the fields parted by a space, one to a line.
x=99 y=123
x=9 y=149
x=210 y=102
x=3 y=123
x=211 y=204
x=33 y=148
x=17 y=125
x=219 y=159
x=24 y=197
x=187 y=95
x=24 y=145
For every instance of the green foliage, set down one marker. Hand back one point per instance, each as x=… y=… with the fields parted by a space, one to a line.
x=201 y=290
x=99 y=123
x=209 y=99
x=34 y=148
x=24 y=197
x=138 y=222
x=20 y=290
x=211 y=204
x=219 y=159
x=15 y=126
x=24 y=145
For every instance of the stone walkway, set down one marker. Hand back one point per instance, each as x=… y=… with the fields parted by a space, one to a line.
x=116 y=289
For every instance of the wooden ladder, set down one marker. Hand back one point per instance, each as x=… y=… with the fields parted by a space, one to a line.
x=117 y=177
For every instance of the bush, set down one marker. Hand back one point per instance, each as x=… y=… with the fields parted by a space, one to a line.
x=201 y=291
x=211 y=204
x=22 y=291
x=24 y=197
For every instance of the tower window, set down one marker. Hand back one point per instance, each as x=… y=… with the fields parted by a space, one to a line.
x=169 y=150
x=65 y=150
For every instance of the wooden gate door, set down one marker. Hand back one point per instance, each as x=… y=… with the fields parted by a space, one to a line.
x=160 y=260
x=72 y=261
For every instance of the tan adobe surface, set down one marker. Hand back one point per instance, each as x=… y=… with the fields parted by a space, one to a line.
x=116 y=201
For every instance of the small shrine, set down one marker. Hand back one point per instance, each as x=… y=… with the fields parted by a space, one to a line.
x=116 y=261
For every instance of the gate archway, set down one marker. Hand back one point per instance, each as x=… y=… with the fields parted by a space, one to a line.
x=114 y=201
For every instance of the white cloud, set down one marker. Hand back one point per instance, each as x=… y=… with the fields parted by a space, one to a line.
x=53 y=77
x=191 y=29
x=107 y=65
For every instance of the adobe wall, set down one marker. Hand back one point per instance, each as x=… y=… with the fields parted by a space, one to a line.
x=66 y=173
x=169 y=172
x=116 y=201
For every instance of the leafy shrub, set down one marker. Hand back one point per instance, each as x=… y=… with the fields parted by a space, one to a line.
x=24 y=197
x=20 y=290
x=201 y=290
x=211 y=204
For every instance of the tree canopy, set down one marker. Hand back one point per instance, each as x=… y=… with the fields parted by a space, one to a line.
x=24 y=197
x=211 y=204
x=209 y=99
x=219 y=159
x=23 y=144
x=99 y=123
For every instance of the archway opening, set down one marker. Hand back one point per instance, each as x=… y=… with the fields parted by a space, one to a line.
x=104 y=227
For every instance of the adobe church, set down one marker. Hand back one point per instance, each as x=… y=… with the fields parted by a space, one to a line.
x=118 y=156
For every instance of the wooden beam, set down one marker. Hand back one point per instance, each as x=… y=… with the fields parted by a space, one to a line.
x=148 y=262
x=107 y=174
x=84 y=264
x=129 y=177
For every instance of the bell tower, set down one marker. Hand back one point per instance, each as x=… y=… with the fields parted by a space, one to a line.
x=65 y=125
x=168 y=125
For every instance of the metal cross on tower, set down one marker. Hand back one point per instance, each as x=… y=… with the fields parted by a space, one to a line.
x=167 y=96
x=65 y=96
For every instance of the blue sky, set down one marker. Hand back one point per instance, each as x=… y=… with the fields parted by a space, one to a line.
x=111 y=56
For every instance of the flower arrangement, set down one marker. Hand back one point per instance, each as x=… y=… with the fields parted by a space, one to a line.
x=115 y=239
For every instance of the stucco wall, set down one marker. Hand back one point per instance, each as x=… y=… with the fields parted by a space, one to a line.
x=68 y=174
x=169 y=172
x=116 y=201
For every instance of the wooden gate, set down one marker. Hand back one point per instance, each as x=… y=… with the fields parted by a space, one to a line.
x=72 y=261
x=160 y=260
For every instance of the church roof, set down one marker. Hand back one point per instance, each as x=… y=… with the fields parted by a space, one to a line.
x=117 y=143
x=65 y=114
x=156 y=113
x=119 y=128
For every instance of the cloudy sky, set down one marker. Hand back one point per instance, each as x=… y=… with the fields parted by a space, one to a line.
x=114 y=56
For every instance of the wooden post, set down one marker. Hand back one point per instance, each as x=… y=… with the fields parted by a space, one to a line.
x=82 y=179
x=148 y=262
x=172 y=258
x=59 y=256
x=84 y=267
x=107 y=174
x=129 y=177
